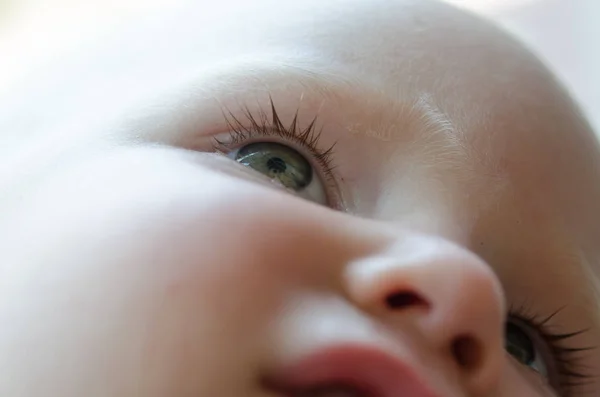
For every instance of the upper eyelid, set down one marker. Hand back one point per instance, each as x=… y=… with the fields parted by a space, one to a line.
x=307 y=137
x=237 y=170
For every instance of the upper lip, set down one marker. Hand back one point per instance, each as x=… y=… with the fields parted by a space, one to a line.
x=371 y=372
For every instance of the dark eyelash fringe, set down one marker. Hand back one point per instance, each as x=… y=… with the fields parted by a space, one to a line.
x=573 y=374
x=259 y=124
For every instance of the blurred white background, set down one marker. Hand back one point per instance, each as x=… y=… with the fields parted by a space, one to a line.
x=565 y=33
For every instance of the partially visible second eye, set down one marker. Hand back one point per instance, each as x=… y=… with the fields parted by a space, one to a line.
x=530 y=340
x=284 y=165
x=524 y=348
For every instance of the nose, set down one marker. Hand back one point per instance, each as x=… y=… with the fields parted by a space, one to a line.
x=454 y=295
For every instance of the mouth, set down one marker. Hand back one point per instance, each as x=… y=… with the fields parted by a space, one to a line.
x=348 y=371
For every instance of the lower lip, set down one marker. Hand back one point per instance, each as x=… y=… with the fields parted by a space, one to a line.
x=371 y=372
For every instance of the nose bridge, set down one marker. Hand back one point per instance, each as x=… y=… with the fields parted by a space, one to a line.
x=297 y=240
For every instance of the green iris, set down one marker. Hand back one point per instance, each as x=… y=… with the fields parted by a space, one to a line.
x=278 y=162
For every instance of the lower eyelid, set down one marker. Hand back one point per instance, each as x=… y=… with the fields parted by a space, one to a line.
x=535 y=380
x=225 y=165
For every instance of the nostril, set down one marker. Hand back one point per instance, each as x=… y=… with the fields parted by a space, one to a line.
x=467 y=352
x=404 y=300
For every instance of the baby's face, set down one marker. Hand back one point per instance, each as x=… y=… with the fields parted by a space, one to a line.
x=282 y=200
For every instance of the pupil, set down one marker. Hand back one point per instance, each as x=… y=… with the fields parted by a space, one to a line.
x=276 y=165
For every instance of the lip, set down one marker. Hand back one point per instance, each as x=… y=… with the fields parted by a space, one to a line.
x=368 y=370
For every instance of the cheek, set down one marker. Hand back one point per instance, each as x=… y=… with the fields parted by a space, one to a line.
x=120 y=266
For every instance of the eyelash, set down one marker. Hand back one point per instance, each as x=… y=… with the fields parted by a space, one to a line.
x=570 y=371
x=260 y=125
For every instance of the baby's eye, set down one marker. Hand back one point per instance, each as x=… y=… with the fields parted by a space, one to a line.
x=524 y=348
x=284 y=165
x=531 y=342
x=290 y=155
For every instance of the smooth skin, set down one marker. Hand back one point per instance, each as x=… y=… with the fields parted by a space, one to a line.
x=136 y=261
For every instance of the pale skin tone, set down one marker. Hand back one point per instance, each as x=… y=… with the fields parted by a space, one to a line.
x=136 y=261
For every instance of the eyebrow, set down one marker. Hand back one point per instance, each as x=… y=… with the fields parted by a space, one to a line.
x=200 y=99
